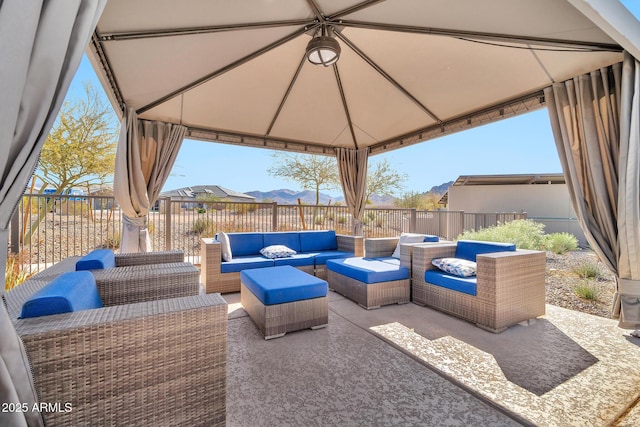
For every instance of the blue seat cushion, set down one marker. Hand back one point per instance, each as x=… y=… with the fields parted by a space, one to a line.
x=297 y=260
x=245 y=243
x=71 y=291
x=290 y=240
x=469 y=249
x=283 y=284
x=368 y=270
x=243 y=262
x=324 y=256
x=466 y=285
x=97 y=259
x=314 y=241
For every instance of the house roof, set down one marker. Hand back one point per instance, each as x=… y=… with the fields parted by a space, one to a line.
x=213 y=190
x=512 y=179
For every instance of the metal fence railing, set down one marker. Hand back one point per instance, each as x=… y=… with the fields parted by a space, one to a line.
x=49 y=228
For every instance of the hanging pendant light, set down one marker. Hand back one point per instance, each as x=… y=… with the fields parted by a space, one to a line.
x=323 y=49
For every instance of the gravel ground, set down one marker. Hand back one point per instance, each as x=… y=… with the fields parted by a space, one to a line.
x=562 y=281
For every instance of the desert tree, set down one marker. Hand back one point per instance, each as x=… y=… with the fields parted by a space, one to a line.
x=383 y=180
x=80 y=150
x=312 y=172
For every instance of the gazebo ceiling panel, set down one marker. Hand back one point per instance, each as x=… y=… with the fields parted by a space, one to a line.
x=167 y=64
x=410 y=70
x=218 y=104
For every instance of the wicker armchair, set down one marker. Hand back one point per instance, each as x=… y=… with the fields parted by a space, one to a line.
x=157 y=359
x=510 y=287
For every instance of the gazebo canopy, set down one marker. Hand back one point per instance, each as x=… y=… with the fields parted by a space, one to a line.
x=409 y=70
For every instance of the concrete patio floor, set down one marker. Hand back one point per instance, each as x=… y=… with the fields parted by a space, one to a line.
x=410 y=365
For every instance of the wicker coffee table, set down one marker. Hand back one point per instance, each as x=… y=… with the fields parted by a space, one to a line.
x=284 y=299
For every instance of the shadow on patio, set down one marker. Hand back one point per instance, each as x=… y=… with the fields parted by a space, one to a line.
x=410 y=365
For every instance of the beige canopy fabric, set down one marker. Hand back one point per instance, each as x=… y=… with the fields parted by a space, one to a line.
x=409 y=70
x=352 y=165
x=41 y=45
x=595 y=123
x=144 y=158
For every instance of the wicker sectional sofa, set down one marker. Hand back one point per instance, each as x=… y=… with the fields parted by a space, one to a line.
x=313 y=249
x=508 y=288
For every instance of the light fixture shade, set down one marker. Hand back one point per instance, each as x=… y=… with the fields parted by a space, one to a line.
x=323 y=50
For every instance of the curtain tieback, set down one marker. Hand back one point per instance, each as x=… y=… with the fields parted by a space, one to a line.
x=140 y=221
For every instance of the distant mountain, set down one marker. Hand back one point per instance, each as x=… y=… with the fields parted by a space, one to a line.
x=442 y=188
x=290 y=197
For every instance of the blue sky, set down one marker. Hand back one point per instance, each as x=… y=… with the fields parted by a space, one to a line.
x=522 y=144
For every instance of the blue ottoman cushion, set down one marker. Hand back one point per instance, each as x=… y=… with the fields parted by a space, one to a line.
x=466 y=285
x=283 y=284
x=368 y=270
x=96 y=260
x=72 y=291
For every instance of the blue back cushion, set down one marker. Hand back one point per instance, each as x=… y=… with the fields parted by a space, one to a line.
x=431 y=238
x=72 y=291
x=245 y=243
x=469 y=249
x=97 y=259
x=290 y=240
x=311 y=241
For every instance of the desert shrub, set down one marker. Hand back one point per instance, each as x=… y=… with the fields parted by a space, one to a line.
x=370 y=216
x=200 y=225
x=112 y=242
x=588 y=290
x=201 y=210
x=342 y=219
x=525 y=233
x=588 y=270
x=319 y=220
x=243 y=208
x=151 y=227
x=560 y=243
x=15 y=273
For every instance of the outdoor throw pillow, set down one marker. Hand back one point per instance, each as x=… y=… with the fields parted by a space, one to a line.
x=277 y=251
x=407 y=238
x=456 y=266
x=225 y=246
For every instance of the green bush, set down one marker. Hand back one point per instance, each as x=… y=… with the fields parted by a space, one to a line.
x=200 y=226
x=525 y=233
x=588 y=270
x=589 y=291
x=560 y=243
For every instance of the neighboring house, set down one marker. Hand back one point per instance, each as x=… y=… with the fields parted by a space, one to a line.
x=191 y=196
x=544 y=197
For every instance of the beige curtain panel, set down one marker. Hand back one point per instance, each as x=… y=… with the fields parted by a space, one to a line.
x=41 y=45
x=352 y=165
x=594 y=118
x=144 y=158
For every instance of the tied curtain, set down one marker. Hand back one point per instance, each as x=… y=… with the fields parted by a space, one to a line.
x=41 y=45
x=595 y=121
x=144 y=158
x=352 y=165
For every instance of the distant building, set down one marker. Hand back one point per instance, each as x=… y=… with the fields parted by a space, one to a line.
x=544 y=197
x=192 y=196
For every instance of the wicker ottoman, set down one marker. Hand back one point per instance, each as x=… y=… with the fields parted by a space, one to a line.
x=284 y=299
x=371 y=282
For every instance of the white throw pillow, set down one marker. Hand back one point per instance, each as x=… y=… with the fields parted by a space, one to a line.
x=407 y=238
x=277 y=251
x=456 y=266
x=225 y=246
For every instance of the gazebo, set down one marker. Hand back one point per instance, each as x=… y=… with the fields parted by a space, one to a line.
x=348 y=79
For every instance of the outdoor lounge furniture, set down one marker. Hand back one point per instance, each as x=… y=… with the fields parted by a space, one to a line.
x=380 y=278
x=313 y=249
x=284 y=299
x=508 y=288
x=146 y=357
